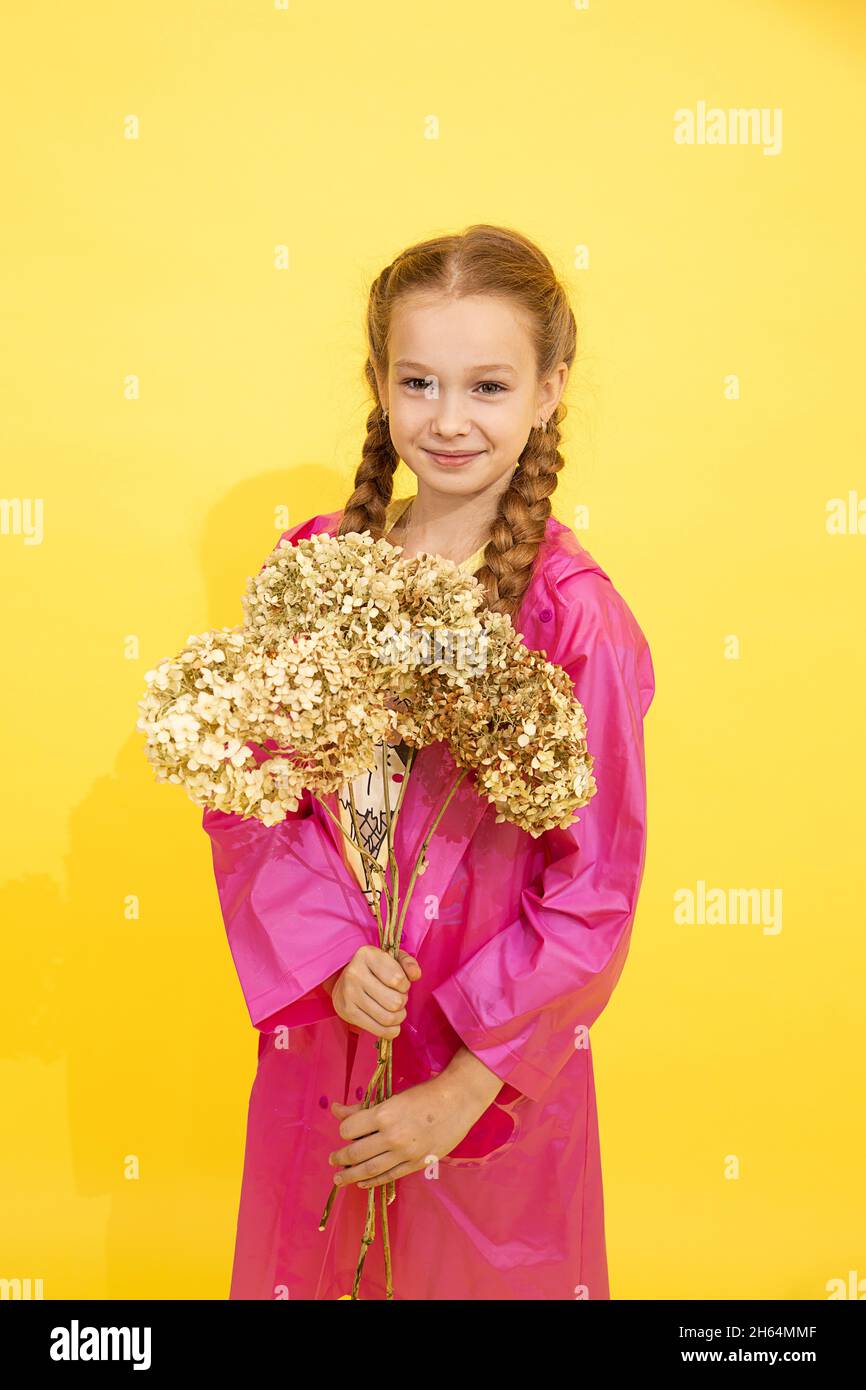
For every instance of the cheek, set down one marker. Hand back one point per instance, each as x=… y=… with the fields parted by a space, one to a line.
x=523 y=417
x=412 y=413
x=509 y=426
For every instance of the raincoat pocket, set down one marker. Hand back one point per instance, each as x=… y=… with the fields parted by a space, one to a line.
x=493 y=1135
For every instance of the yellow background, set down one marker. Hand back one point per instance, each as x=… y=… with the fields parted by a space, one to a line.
x=307 y=126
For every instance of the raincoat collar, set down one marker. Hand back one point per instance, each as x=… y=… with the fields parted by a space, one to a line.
x=560 y=554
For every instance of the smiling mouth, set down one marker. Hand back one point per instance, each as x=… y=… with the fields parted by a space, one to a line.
x=463 y=454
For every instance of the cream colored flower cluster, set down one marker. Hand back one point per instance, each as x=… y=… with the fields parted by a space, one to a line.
x=338 y=631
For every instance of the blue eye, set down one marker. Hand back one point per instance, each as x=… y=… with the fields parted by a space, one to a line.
x=497 y=384
x=424 y=382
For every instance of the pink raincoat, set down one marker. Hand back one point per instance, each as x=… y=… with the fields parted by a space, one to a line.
x=520 y=942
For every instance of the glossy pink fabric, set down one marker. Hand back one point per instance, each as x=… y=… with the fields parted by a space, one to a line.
x=520 y=941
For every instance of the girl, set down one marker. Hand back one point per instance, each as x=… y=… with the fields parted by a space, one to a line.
x=512 y=945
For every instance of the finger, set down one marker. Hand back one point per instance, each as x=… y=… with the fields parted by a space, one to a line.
x=391 y=999
x=401 y=1171
x=388 y=1016
x=358 y=1151
x=371 y=1025
x=366 y=1120
x=356 y=1116
x=410 y=965
x=388 y=970
x=369 y=1168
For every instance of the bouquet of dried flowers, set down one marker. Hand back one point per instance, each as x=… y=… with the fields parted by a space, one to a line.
x=345 y=645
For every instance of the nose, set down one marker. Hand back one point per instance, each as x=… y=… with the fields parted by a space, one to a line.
x=449 y=420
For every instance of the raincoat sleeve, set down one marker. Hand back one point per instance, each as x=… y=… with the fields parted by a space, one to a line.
x=292 y=910
x=521 y=1003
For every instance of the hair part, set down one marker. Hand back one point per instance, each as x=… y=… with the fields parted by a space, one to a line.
x=481 y=260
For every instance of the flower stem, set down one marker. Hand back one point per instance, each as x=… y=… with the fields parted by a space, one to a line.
x=366 y=1238
x=386 y=1243
x=454 y=785
x=390 y=933
x=365 y=854
x=327 y=1212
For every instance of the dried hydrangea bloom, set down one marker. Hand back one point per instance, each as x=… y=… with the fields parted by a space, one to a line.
x=345 y=644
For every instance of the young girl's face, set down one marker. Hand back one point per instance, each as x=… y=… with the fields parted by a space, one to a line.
x=463 y=382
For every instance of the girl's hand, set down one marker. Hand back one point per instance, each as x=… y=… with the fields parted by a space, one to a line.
x=371 y=991
x=402 y=1134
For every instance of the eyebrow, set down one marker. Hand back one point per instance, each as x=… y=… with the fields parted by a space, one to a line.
x=485 y=367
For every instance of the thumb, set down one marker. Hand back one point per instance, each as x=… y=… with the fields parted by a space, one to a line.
x=409 y=964
x=338 y=1108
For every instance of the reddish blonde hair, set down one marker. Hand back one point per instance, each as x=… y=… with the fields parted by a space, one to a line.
x=481 y=260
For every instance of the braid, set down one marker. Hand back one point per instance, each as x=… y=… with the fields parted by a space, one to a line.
x=374 y=480
x=520 y=523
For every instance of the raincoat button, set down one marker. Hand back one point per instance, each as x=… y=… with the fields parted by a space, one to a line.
x=545 y=615
x=323 y=1101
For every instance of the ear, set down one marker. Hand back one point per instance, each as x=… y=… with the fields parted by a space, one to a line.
x=551 y=390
